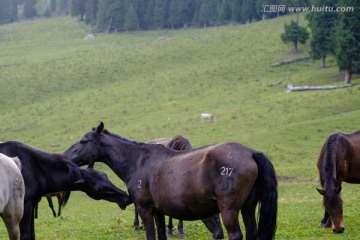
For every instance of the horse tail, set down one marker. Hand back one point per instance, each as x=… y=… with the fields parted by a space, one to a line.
x=267 y=195
x=66 y=198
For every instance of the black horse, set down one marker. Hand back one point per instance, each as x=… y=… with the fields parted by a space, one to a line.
x=189 y=185
x=46 y=173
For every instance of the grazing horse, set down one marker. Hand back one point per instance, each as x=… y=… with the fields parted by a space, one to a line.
x=12 y=191
x=62 y=198
x=339 y=161
x=207 y=116
x=45 y=173
x=178 y=142
x=189 y=185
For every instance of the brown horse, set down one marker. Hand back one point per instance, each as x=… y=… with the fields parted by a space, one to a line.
x=62 y=198
x=213 y=223
x=339 y=161
x=189 y=185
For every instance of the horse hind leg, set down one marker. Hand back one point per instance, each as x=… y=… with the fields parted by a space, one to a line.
x=60 y=203
x=248 y=211
x=231 y=223
x=170 y=228
x=12 y=226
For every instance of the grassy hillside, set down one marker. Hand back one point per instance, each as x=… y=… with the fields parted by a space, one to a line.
x=55 y=86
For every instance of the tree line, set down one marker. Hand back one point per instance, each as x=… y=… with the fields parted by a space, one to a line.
x=129 y=15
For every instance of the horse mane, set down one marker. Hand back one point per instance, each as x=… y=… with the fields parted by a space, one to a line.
x=178 y=142
x=328 y=171
x=118 y=137
x=74 y=170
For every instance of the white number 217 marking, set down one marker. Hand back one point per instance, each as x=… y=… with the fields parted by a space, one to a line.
x=226 y=171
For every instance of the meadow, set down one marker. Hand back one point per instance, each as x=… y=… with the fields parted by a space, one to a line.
x=55 y=86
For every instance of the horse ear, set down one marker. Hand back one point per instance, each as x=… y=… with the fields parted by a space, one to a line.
x=321 y=191
x=100 y=128
x=338 y=189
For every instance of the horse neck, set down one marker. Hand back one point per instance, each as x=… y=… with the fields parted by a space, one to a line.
x=122 y=157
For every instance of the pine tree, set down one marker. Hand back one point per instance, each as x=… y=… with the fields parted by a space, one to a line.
x=323 y=25
x=14 y=10
x=208 y=12
x=52 y=6
x=29 y=8
x=78 y=9
x=131 y=19
x=224 y=11
x=175 y=13
x=116 y=14
x=160 y=13
x=348 y=44
x=149 y=15
x=91 y=9
x=236 y=10
x=5 y=8
x=102 y=19
x=248 y=11
x=294 y=34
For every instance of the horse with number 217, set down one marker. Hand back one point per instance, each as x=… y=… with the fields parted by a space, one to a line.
x=189 y=185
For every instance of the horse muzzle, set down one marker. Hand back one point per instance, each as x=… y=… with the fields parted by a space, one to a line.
x=125 y=203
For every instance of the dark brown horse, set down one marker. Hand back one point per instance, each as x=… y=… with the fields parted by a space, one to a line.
x=339 y=161
x=45 y=173
x=180 y=143
x=189 y=185
x=62 y=198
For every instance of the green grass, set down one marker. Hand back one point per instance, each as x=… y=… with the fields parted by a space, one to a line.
x=55 y=86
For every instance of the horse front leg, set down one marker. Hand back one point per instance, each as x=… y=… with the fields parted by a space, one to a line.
x=181 y=229
x=148 y=222
x=26 y=224
x=160 y=226
x=136 y=221
x=325 y=222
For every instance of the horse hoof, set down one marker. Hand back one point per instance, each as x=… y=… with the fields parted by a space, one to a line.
x=341 y=230
x=182 y=235
x=170 y=235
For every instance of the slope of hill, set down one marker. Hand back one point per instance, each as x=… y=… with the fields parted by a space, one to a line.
x=144 y=85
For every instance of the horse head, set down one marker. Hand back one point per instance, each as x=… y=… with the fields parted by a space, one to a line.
x=97 y=186
x=84 y=151
x=334 y=207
